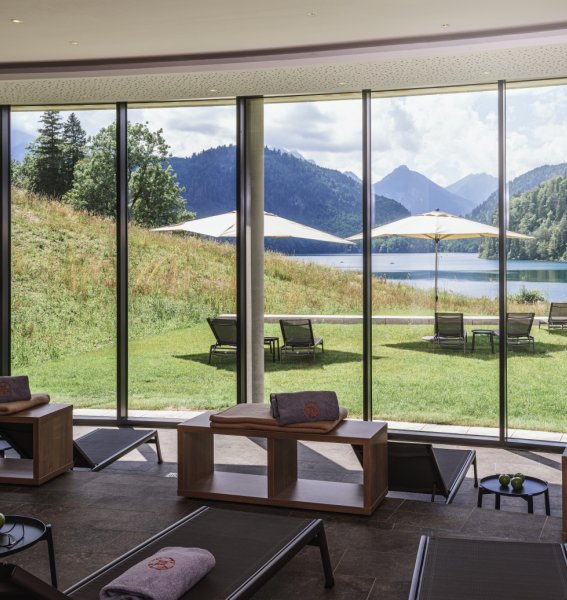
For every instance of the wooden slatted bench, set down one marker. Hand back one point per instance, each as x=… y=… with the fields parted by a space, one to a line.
x=281 y=486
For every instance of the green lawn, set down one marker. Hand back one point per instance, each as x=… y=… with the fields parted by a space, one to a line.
x=412 y=380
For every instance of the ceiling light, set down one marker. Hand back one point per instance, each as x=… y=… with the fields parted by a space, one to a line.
x=16 y=21
x=74 y=43
x=486 y=72
x=342 y=82
x=312 y=14
x=445 y=25
x=213 y=91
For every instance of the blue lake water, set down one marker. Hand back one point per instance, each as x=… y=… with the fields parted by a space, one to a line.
x=458 y=272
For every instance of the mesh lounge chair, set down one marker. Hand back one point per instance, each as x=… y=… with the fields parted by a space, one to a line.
x=481 y=569
x=557 y=316
x=422 y=469
x=298 y=338
x=224 y=331
x=519 y=326
x=450 y=331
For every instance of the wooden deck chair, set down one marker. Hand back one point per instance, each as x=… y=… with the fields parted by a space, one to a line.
x=421 y=468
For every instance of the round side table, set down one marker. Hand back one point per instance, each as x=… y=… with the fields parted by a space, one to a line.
x=532 y=487
x=19 y=533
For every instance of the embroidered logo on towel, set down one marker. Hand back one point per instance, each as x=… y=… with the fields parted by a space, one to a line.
x=311 y=410
x=5 y=388
x=162 y=563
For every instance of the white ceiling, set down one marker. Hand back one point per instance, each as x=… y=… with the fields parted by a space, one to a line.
x=179 y=49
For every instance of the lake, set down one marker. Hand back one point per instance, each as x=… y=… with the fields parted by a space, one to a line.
x=458 y=272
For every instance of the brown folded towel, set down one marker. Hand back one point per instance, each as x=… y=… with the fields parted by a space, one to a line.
x=8 y=408
x=259 y=417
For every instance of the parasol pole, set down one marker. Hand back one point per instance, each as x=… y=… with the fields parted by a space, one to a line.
x=436 y=269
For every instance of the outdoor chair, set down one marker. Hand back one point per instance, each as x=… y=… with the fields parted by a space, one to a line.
x=483 y=569
x=450 y=331
x=422 y=469
x=224 y=330
x=557 y=318
x=298 y=338
x=518 y=327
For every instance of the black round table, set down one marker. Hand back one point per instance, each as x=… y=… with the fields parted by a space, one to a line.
x=532 y=487
x=19 y=533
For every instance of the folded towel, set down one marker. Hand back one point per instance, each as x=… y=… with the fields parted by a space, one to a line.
x=14 y=388
x=302 y=407
x=166 y=575
x=8 y=408
x=259 y=417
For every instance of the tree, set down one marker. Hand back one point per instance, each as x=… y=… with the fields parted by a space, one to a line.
x=74 y=147
x=43 y=163
x=154 y=193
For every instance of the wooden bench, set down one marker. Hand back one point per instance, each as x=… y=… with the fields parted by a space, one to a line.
x=281 y=486
x=564 y=486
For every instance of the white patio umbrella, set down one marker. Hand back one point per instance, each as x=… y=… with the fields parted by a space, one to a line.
x=438 y=225
x=224 y=225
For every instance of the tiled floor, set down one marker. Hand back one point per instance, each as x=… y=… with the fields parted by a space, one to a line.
x=98 y=516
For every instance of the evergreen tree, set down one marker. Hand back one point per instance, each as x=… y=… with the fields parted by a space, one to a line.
x=43 y=164
x=154 y=193
x=74 y=146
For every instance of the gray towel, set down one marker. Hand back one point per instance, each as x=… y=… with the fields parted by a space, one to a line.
x=166 y=575
x=303 y=407
x=13 y=389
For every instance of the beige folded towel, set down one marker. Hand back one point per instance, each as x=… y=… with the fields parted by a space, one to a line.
x=8 y=408
x=259 y=417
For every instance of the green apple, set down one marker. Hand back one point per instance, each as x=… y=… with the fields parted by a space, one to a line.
x=2 y=520
x=504 y=480
x=517 y=483
x=521 y=476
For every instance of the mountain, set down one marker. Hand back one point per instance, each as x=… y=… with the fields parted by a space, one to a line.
x=419 y=194
x=475 y=187
x=295 y=188
x=353 y=176
x=485 y=212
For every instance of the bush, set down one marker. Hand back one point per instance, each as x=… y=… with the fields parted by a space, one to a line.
x=525 y=296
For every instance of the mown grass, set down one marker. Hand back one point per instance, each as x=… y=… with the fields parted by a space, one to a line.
x=64 y=328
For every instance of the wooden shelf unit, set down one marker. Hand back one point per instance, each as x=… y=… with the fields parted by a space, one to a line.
x=281 y=486
x=46 y=433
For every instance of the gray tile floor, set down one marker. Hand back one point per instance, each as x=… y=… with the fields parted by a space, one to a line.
x=98 y=516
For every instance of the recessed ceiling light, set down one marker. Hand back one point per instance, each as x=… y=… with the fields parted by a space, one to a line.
x=74 y=43
x=16 y=21
x=445 y=25
x=486 y=72
x=312 y=14
x=342 y=82
x=213 y=91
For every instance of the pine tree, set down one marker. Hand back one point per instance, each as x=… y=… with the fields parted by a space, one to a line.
x=74 y=148
x=44 y=160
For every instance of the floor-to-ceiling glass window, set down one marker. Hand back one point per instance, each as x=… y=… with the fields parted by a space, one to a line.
x=537 y=270
x=313 y=170
x=435 y=153
x=182 y=167
x=64 y=254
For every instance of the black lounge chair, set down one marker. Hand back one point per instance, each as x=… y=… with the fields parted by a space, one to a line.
x=298 y=338
x=450 y=331
x=557 y=318
x=420 y=468
x=447 y=569
x=519 y=326
x=224 y=330
x=249 y=548
x=19 y=584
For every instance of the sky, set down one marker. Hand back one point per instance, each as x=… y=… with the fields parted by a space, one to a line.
x=443 y=136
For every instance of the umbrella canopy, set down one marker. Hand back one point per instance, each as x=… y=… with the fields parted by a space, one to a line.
x=224 y=225
x=438 y=225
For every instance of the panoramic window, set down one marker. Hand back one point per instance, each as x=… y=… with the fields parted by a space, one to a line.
x=435 y=163
x=537 y=271
x=64 y=255
x=313 y=169
x=182 y=163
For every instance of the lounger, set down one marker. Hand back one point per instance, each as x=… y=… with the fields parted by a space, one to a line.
x=518 y=330
x=298 y=338
x=450 y=331
x=420 y=468
x=450 y=569
x=249 y=549
x=18 y=584
x=557 y=318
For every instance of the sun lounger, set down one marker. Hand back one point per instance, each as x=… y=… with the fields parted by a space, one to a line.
x=249 y=548
x=421 y=468
x=447 y=569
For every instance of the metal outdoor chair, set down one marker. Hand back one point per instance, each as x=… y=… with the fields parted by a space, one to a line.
x=518 y=328
x=298 y=338
x=450 y=331
x=557 y=318
x=224 y=330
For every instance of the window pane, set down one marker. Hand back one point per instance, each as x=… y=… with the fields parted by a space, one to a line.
x=64 y=255
x=182 y=166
